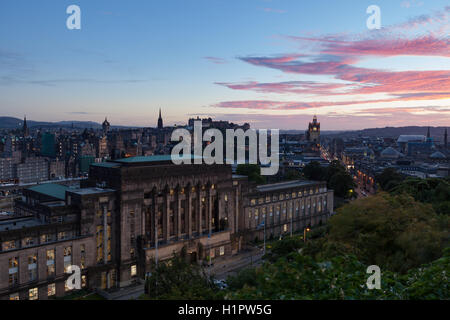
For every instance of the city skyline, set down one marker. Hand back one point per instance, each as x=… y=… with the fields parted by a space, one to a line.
x=273 y=64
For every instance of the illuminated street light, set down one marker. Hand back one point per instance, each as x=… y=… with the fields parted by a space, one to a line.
x=304 y=233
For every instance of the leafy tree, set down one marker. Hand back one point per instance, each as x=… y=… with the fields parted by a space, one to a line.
x=292 y=174
x=395 y=232
x=435 y=191
x=252 y=171
x=389 y=178
x=178 y=279
x=314 y=171
x=335 y=174
x=341 y=183
x=298 y=275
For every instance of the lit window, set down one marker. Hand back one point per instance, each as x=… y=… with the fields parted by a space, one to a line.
x=222 y=250
x=62 y=235
x=51 y=289
x=9 y=245
x=50 y=263
x=67 y=258
x=13 y=271
x=14 y=296
x=133 y=270
x=33 y=294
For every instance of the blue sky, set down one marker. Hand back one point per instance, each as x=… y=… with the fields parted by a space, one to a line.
x=132 y=57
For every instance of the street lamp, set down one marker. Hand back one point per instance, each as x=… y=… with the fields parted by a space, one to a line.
x=304 y=233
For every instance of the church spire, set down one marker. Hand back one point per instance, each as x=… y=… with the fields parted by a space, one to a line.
x=160 y=121
x=25 y=127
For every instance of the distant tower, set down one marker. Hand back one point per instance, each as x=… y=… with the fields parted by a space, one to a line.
x=428 y=133
x=25 y=130
x=313 y=133
x=160 y=121
x=445 y=138
x=105 y=126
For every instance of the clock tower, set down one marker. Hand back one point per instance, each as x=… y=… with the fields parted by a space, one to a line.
x=313 y=133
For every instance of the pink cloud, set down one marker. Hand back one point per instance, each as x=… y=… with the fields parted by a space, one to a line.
x=216 y=60
x=297 y=87
x=302 y=105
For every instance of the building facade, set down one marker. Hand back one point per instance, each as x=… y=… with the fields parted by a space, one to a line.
x=133 y=211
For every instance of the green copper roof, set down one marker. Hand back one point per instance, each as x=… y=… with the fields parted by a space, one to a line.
x=157 y=158
x=51 y=189
x=106 y=164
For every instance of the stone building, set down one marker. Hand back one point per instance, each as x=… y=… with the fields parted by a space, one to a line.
x=135 y=210
x=285 y=208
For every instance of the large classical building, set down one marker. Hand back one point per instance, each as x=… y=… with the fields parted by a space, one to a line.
x=135 y=210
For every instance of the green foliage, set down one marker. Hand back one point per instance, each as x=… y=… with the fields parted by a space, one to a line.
x=292 y=174
x=252 y=171
x=314 y=171
x=282 y=248
x=435 y=191
x=298 y=275
x=395 y=232
x=177 y=279
x=389 y=178
x=335 y=174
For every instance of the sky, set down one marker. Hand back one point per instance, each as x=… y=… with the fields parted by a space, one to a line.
x=272 y=63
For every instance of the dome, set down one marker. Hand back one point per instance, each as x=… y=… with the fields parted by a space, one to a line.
x=390 y=152
x=438 y=155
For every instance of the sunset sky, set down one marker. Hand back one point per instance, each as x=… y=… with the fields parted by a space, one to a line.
x=273 y=63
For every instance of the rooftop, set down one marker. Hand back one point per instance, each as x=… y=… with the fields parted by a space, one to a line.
x=284 y=185
x=155 y=158
x=54 y=190
x=411 y=138
x=18 y=223
x=86 y=191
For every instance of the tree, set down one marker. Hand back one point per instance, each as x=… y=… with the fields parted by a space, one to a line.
x=252 y=171
x=435 y=191
x=292 y=174
x=394 y=232
x=314 y=171
x=178 y=279
x=341 y=183
x=335 y=174
x=389 y=178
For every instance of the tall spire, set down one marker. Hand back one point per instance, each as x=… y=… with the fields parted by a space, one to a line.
x=25 y=127
x=160 y=121
x=428 y=133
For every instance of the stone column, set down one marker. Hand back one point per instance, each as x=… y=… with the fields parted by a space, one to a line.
x=199 y=212
x=178 y=216
x=188 y=221
x=166 y=215
x=105 y=235
x=154 y=227
x=209 y=213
